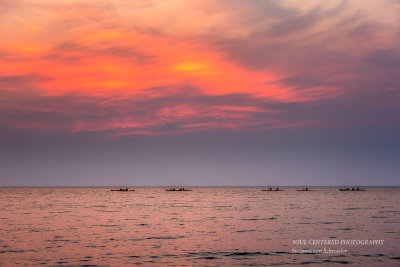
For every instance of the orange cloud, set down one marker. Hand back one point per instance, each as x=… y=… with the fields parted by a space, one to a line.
x=189 y=49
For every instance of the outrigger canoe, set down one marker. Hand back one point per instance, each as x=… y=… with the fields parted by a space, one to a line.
x=179 y=189
x=273 y=190
x=305 y=190
x=123 y=190
x=352 y=189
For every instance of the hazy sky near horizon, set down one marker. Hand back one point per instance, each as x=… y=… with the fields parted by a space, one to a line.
x=213 y=92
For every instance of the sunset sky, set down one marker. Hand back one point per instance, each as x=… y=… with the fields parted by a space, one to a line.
x=199 y=92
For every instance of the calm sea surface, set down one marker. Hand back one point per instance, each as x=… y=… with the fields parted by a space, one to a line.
x=209 y=226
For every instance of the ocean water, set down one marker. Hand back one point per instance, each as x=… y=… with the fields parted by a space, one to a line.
x=208 y=226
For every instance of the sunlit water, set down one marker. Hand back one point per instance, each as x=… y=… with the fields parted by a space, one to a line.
x=215 y=226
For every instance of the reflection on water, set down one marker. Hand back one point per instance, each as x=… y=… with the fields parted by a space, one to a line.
x=214 y=226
